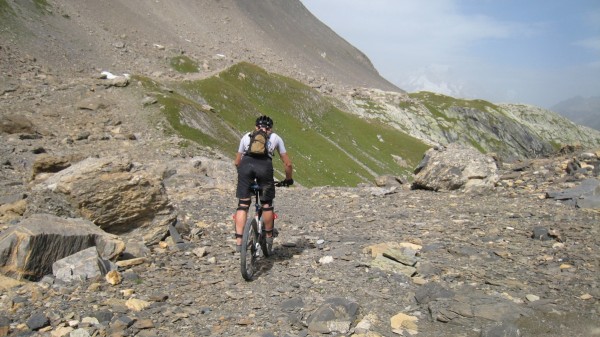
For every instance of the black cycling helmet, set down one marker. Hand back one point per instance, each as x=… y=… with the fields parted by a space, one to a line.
x=264 y=121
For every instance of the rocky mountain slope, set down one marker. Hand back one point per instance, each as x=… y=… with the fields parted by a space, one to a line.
x=80 y=150
x=139 y=37
x=508 y=130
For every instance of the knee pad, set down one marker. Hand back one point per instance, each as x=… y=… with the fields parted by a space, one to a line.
x=267 y=209
x=244 y=205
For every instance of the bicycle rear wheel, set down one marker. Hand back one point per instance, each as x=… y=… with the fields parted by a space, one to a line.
x=249 y=253
x=267 y=249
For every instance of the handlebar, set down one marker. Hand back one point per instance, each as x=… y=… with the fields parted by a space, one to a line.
x=284 y=183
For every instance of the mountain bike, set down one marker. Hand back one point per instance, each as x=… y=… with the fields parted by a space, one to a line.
x=254 y=238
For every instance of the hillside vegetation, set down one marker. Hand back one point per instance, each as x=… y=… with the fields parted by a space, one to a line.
x=328 y=146
x=344 y=143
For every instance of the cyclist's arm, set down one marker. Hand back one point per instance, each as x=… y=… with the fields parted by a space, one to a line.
x=244 y=142
x=238 y=159
x=287 y=165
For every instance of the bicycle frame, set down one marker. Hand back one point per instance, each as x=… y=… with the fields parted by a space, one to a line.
x=258 y=209
x=254 y=239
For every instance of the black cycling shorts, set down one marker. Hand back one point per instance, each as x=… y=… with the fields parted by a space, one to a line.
x=260 y=169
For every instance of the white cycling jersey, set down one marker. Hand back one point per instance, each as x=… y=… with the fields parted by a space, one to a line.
x=275 y=143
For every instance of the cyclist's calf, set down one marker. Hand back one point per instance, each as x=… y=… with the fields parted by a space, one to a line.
x=240 y=218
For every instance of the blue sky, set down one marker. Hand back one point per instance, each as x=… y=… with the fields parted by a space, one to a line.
x=536 y=52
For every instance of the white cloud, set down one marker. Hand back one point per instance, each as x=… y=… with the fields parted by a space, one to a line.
x=518 y=53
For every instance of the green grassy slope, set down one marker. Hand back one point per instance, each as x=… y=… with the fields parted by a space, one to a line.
x=327 y=146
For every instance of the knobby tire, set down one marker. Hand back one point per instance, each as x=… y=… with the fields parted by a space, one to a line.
x=266 y=248
x=248 y=255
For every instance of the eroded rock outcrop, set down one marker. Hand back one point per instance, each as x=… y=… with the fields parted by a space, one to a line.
x=28 y=250
x=112 y=192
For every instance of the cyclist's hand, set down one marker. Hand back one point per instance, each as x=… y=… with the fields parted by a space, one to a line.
x=285 y=183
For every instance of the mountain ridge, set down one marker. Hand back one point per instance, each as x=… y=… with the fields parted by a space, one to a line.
x=125 y=36
x=581 y=110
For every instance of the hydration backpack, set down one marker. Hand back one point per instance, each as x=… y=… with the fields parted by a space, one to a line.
x=259 y=146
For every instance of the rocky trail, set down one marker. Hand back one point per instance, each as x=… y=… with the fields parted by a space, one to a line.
x=478 y=272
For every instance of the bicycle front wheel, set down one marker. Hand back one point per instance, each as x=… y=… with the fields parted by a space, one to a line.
x=249 y=253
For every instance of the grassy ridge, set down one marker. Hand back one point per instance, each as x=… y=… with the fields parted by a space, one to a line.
x=328 y=146
x=6 y=10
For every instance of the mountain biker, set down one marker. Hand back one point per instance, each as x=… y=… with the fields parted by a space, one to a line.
x=259 y=168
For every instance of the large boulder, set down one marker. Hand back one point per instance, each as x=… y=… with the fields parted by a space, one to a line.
x=115 y=194
x=455 y=167
x=28 y=250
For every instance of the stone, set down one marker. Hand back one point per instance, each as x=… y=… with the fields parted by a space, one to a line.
x=391 y=265
x=588 y=187
x=16 y=123
x=122 y=322
x=143 y=324
x=81 y=266
x=135 y=304
x=28 y=250
x=591 y=202
x=62 y=331
x=37 y=321
x=334 y=316
x=103 y=316
x=134 y=198
x=130 y=262
x=90 y=320
x=540 y=233
x=113 y=277
x=456 y=167
x=7 y=283
x=432 y=291
x=12 y=211
x=396 y=255
x=4 y=326
x=46 y=163
x=94 y=103
x=365 y=324
x=79 y=333
x=401 y=321
x=200 y=251
x=326 y=259
x=388 y=181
